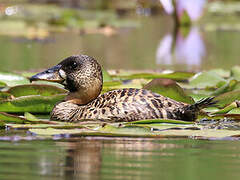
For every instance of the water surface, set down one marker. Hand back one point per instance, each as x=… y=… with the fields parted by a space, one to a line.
x=120 y=158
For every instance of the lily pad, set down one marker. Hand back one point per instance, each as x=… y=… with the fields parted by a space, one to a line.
x=12 y=79
x=106 y=76
x=5 y=95
x=169 y=88
x=235 y=72
x=227 y=98
x=2 y=84
x=9 y=118
x=177 y=76
x=31 y=103
x=35 y=89
x=153 y=121
x=205 y=79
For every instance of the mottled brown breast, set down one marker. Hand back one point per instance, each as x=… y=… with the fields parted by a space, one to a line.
x=121 y=105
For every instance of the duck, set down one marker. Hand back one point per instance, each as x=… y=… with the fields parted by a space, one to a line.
x=82 y=76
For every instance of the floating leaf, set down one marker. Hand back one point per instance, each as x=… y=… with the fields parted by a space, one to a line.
x=229 y=86
x=9 y=118
x=152 y=121
x=235 y=72
x=226 y=109
x=205 y=79
x=2 y=84
x=169 y=88
x=221 y=72
x=227 y=98
x=12 y=79
x=5 y=95
x=35 y=89
x=178 y=76
x=31 y=103
x=106 y=76
x=30 y=117
x=234 y=111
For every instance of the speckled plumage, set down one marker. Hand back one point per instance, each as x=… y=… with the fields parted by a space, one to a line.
x=82 y=76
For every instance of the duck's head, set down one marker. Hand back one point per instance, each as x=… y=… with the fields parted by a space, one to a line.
x=80 y=74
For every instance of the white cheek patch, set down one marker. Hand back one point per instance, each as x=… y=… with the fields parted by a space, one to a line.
x=62 y=74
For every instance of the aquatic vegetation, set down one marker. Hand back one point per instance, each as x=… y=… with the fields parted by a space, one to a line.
x=39 y=98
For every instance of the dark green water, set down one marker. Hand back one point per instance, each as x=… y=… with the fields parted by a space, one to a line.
x=120 y=158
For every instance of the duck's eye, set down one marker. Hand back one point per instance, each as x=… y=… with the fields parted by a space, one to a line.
x=74 y=65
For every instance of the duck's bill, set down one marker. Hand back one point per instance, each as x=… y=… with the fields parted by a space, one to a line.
x=52 y=74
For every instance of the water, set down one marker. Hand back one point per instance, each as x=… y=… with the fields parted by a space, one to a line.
x=152 y=45
x=120 y=158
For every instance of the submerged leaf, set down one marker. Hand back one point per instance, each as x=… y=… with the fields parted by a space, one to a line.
x=169 y=88
x=35 y=89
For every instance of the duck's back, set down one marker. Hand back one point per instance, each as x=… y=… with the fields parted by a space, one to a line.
x=121 y=105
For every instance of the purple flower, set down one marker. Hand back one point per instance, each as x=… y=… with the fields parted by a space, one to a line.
x=194 y=8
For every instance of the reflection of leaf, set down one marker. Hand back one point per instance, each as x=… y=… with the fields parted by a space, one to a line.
x=35 y=89
x=169 y=88
x=32 y=103
x=205 y=79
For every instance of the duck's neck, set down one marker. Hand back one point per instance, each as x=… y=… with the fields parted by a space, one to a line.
x=83 y=96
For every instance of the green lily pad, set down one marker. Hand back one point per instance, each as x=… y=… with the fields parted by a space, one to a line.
x=30 y=117
x=169 y=88
x=9 y=118
x=234 y=111
x=35 y=89
x=226 y=109
x=2 y=84
x=229 y=86
x=5 y=95
x=12 y=79
x=31 y=103
x=106 y=76
x=227 y=98
x=205 y=79
x=235 y=72
x=153 y=121
x=177 y=76
x=221 y=72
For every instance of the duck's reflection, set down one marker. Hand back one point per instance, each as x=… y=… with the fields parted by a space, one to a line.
x=94 y=158
x=181 y=47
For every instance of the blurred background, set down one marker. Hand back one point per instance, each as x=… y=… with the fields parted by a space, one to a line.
x=186 y=35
